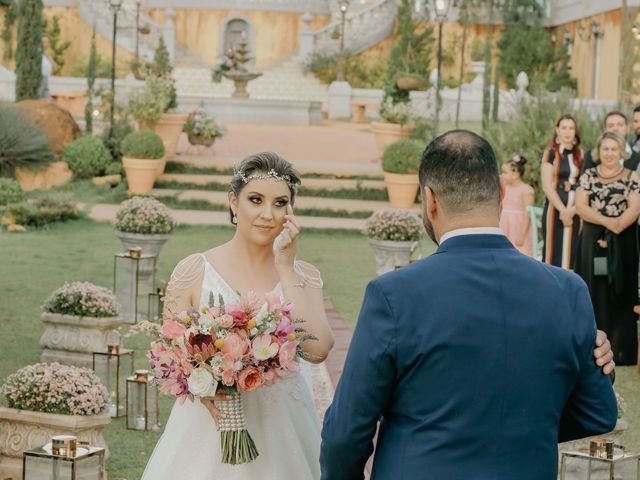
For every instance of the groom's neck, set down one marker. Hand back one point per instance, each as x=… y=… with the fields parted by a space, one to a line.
x=467 y=220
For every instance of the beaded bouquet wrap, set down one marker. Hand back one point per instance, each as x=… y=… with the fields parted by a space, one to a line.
x=230 y=349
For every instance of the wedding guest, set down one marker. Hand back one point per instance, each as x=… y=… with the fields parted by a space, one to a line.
x=635 y=142
x=608 y=201
x=559 y=171
x=518 y=196
x=615 y=122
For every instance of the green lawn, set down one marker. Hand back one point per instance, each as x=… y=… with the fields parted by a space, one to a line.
x=35 y=263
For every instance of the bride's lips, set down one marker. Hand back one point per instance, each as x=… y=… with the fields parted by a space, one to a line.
x=264 y=227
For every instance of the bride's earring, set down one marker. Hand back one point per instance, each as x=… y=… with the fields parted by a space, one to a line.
x=557 y=140
x=234 y=219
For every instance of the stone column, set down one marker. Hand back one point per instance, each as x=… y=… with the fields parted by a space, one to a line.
x=306 y=46
x=339 y=99
x=169 y=33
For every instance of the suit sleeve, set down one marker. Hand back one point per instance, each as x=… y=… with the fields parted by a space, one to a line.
x=592 y=408
x=364 y=390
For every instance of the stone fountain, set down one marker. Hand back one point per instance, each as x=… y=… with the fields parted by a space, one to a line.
x=241 y=75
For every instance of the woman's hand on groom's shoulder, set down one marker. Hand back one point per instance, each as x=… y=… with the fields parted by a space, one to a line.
x=603 y=353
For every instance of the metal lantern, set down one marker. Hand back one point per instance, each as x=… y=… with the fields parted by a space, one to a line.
x=142 y=402
x=113 y=366
x=156 y=303
x=134 y=278
x=64 y=459
x=584 y=465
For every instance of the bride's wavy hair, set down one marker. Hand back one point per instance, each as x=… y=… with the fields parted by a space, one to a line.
x=264 y=163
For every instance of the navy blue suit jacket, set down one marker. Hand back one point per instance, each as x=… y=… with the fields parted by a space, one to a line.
x=477 y=361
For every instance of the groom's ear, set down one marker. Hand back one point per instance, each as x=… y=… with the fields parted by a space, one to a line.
x=430 y=202
x=503 y=187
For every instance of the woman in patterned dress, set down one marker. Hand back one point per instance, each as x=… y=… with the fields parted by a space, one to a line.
x=608 y=201
x=559 y=171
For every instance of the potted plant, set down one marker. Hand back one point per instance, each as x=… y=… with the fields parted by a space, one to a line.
x=148 y=103
x=143 y=160
x=87 y=157
x=400 y=163
x=77 y=318
x=393 y=235
x=202 y=129
x=144 y=222
x=410 y=81
x=397 y=123
x=46 y=400
x=169 y=125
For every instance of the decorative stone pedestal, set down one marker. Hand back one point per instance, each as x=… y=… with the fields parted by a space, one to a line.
x=391 y=255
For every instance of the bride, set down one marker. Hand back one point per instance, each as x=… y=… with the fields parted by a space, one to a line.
x=281 y=419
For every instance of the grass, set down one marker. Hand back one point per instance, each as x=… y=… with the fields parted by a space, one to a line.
x=39 y=261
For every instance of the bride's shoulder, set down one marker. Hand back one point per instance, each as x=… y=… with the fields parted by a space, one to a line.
x=309 y=273
x=187 y=271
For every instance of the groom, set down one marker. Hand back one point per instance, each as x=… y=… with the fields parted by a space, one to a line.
x=478 y=359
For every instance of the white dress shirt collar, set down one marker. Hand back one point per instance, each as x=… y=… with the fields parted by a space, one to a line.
x=471 y=231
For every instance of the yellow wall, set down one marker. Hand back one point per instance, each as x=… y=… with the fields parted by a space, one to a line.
x=276 y=33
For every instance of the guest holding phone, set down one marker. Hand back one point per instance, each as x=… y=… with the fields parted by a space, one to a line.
x=608 y=201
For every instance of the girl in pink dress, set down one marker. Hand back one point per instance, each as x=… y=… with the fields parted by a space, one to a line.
x=514 y=219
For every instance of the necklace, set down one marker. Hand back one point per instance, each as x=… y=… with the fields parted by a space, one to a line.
x=609 y=177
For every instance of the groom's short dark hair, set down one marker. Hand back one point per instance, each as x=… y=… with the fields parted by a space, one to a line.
x=461 y=169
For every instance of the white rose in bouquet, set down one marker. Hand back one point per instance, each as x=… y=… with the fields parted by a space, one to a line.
x=201 y=383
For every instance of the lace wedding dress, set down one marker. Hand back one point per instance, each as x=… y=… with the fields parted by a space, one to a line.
x=281 y=419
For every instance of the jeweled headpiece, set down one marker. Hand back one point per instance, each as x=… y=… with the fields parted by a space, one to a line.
x=270 y=175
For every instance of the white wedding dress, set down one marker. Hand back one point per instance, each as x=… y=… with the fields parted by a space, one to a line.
x=281 y=419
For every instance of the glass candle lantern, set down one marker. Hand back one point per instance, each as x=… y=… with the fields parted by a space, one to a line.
x=133 y=278
x=113 y=366
x=583 y=465
x=156 y=304
x=142 y=402
x=64 y=459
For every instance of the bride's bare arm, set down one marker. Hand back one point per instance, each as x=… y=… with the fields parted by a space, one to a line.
x=183 y=289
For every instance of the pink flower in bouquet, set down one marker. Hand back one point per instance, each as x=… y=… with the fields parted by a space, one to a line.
x=264 y=347
x=249 y=379
x=229 y=369
x=285 y=328
x=172 y=330
x=288 y=359
x=269 y=377
x=225 y=321
x=273 y=303
x=236 y=344
x=245 y=311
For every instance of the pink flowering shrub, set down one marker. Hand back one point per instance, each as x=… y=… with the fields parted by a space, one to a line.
x=393 y=224
x=55 y=388
x=144 y=215
x=82 y=299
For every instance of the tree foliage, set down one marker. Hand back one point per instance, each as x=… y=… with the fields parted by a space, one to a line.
x=10 y=16
x=91 y=79
x=58 y=48
x=29 y=49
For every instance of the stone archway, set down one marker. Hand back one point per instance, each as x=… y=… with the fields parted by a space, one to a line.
x=234 y=30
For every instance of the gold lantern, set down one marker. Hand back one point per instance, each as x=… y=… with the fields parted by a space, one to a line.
x=113 y=366
x=133 y=278
x=603 y=460
x=142 y=402
x=156 y=304
x=64 y=458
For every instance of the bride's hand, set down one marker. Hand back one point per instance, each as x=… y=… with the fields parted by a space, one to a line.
x=209 y=403
x=285 y=253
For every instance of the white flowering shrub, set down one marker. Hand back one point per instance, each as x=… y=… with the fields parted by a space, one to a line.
x=144 y=215
x=393 y=224
x=82 y=299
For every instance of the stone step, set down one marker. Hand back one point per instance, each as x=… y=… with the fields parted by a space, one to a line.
x=315 y=183
x=107 y=212
x=338 y=169
x=221 y=198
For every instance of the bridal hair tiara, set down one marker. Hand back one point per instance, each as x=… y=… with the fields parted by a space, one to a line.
x=270 y=175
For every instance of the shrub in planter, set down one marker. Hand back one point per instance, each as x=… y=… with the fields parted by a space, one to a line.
x=399 y=113
x=394 y=225
x=402 y=157
x=114 y=168
x=82 y=299
x=87 y=157
x=143 y=144
x=41 y=211
x=55 y=388
x=148 y=103
x=10 y=191
x=144 y=215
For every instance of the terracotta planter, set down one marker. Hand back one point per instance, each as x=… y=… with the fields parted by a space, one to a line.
x=391 y=255
x=161 y=166
x=169 y=127
x=198 y=140
x=71 y=340
x=22 y=430
x=408 y=82
x=53 y=175
x=141 y=173
x=402 y=189
x=387 y=133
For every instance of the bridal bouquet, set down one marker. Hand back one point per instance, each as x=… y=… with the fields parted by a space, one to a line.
x=231 y=349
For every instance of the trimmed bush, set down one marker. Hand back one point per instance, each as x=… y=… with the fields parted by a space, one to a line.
x=82 y=299
x=10 y=191
x=144 y=215
x=87 y=157
x=143 y=144
x=22 y=144
x=114 y=168
x=41 y=211
x=402 y=157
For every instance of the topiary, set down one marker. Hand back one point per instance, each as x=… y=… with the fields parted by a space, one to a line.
x=10 y=191
x=143 y=144
x=22 y=144
x=402 y=157
x=87 y=156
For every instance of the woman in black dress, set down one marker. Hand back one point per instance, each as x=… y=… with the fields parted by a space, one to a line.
x=559 y=172
x=608 y=201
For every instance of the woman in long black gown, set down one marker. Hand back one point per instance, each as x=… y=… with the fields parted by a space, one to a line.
x=608 y=201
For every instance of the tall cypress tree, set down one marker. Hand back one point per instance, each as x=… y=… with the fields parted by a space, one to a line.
x=91 y=78
x=29 y=49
